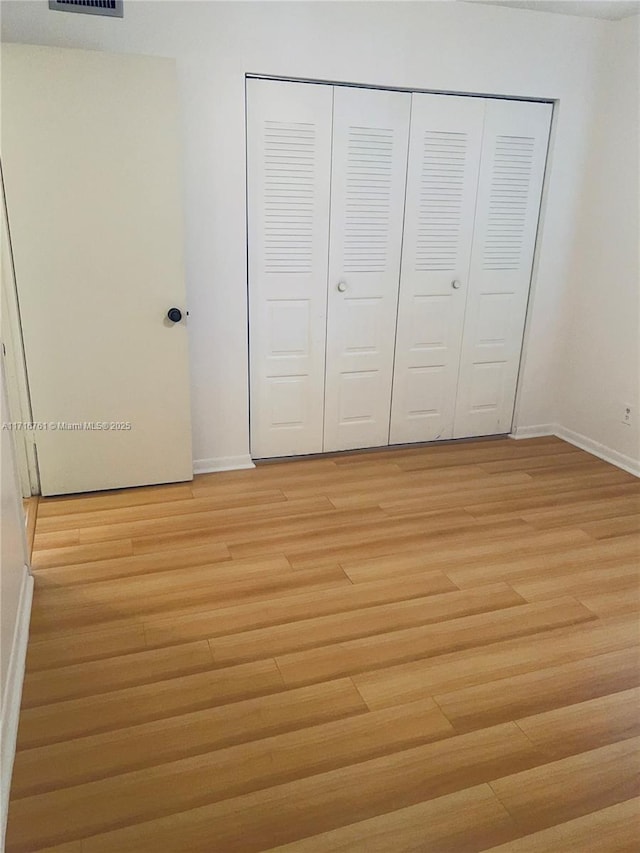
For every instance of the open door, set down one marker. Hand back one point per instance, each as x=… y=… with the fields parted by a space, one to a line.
x=90 y=154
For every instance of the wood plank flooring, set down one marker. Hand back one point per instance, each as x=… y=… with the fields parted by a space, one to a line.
x=30 y=507
x=421 y=649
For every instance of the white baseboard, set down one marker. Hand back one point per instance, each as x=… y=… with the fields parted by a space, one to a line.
x=620 y=460
x=13 y=693
x=222 y=463
x=534 y=431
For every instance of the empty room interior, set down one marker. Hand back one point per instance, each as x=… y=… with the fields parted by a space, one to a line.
x=320 y=426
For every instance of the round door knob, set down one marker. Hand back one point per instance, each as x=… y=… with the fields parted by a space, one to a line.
x=174 y=314
x=342 y=286
x=455 y=284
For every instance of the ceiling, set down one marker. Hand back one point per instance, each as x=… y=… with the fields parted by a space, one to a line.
x=607 y=10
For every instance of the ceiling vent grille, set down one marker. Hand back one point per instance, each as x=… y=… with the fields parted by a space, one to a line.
x=110 y=8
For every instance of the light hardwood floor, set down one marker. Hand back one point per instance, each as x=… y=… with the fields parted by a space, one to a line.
x=429 y=649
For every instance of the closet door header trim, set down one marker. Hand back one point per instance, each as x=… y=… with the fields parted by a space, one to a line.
x=255 y=76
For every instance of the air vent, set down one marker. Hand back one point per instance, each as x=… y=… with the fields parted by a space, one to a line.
x=109 y=8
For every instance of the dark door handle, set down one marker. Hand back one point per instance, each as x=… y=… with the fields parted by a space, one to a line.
x=174 y=314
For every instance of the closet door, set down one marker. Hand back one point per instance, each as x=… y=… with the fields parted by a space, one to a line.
x=442 y=182
x=288 y=174
x=370 y=135
x=511 y=174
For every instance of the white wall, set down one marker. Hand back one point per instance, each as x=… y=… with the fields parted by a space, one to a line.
x=448 y=46
x=16 y=584
x=601 y=354
x=15 y=604
x=13 y=552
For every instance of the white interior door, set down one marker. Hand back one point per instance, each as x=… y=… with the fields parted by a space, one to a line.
x=15 y=559
x=19 y=406
x=370 y=135
x=90 y=149
x=442 y=184
x=289 y=169
x=514 y=152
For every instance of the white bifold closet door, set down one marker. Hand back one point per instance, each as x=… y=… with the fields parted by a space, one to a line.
x=369 y=161
x=514 y=150
x=289 y=173
x=391 y=240
x=442 y=182
x=476 y=168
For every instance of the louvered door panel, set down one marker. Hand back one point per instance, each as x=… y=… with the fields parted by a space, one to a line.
x=511 y=175
x=370 y=134
x=289 y=167
x=442 y=181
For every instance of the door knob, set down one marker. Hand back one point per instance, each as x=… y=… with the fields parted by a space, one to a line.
x=174 y=314
x=342 y=286
x=455 y=284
